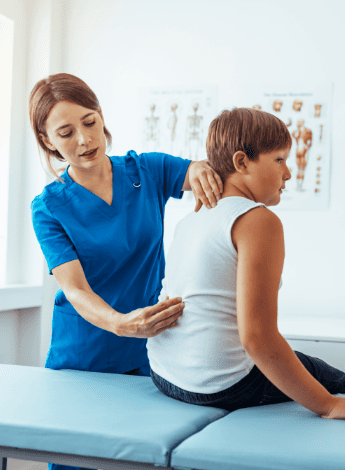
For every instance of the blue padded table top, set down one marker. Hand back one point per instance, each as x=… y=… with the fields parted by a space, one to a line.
x=284 y=436
x=93 y=414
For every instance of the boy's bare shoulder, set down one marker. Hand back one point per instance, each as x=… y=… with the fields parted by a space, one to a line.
x=259 y=217
x=255 y=225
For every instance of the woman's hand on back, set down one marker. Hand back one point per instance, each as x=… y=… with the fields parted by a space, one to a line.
x=150 y=321
x=141 y=323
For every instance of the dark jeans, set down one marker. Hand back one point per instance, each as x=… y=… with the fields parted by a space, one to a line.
x=254 y=389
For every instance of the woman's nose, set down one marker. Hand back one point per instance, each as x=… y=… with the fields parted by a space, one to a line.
x=83 y=137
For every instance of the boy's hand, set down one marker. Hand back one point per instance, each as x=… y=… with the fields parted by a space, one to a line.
x=337 y=409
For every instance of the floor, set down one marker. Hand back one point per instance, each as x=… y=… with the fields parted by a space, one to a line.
x=15 y=464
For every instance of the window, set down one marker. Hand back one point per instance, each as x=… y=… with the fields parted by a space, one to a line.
x=6 y=59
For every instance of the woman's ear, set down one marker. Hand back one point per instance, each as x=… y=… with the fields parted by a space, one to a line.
x=240 y=161
x=47 y=142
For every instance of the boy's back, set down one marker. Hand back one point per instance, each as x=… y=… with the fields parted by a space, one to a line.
x=203 y=353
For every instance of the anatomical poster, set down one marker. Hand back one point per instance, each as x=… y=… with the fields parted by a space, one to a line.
x=306 y=110
x=175 y=120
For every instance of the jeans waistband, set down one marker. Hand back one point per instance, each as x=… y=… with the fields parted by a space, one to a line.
x=235 y=391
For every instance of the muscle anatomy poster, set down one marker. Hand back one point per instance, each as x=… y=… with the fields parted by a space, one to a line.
x=306 y=110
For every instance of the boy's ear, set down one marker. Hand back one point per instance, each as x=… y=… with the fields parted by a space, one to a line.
x=240 y=161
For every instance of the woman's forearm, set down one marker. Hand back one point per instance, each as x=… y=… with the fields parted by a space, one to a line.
x=140 y=323
x=94 y=309
x=278 y=362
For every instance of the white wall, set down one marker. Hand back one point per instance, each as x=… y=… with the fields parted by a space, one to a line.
x=119 y=46
x=16 y=11
x=9 y=321
x=9 y=338
x=25 y=334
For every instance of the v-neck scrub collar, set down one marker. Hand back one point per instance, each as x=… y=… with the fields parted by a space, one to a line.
x=109 y=210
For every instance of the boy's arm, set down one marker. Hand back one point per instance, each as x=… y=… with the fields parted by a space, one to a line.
x=259 y=240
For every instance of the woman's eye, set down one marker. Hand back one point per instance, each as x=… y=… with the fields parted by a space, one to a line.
x=66 y=135
x=89 y=124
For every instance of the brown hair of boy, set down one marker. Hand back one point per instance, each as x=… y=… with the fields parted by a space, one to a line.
x=243 y=129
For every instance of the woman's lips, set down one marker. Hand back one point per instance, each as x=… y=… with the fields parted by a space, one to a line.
x=90 y=153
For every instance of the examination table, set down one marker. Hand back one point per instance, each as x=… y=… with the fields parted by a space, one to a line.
x=112 y=421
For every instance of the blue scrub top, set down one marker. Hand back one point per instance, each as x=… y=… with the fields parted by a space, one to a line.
x=120 y=248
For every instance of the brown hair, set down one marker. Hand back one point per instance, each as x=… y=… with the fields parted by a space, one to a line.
x=249 y=130
x=43 y=97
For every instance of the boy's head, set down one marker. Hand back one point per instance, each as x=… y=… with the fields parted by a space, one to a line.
x=247 y=130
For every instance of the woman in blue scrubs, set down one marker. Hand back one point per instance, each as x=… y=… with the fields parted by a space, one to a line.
x=100 y=227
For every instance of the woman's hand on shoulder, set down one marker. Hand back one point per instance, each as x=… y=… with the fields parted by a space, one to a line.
x=205 y=183
x=150 y=321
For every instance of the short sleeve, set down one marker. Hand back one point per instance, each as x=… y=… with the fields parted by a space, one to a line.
x=56 y=246
x=169 y=172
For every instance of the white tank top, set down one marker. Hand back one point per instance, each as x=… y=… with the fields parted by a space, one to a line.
x=203 y=354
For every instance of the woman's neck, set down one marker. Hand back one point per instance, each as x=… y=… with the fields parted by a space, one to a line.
x=94 y=176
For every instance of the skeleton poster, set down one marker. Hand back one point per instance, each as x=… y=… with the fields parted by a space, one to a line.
x=175 y=120
x=306 y=110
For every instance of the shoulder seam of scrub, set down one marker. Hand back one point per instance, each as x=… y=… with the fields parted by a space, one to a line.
x=147 y=171
x=42 y=196
x=43 y=199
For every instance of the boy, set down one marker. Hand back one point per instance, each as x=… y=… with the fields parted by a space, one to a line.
x=226 y=264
